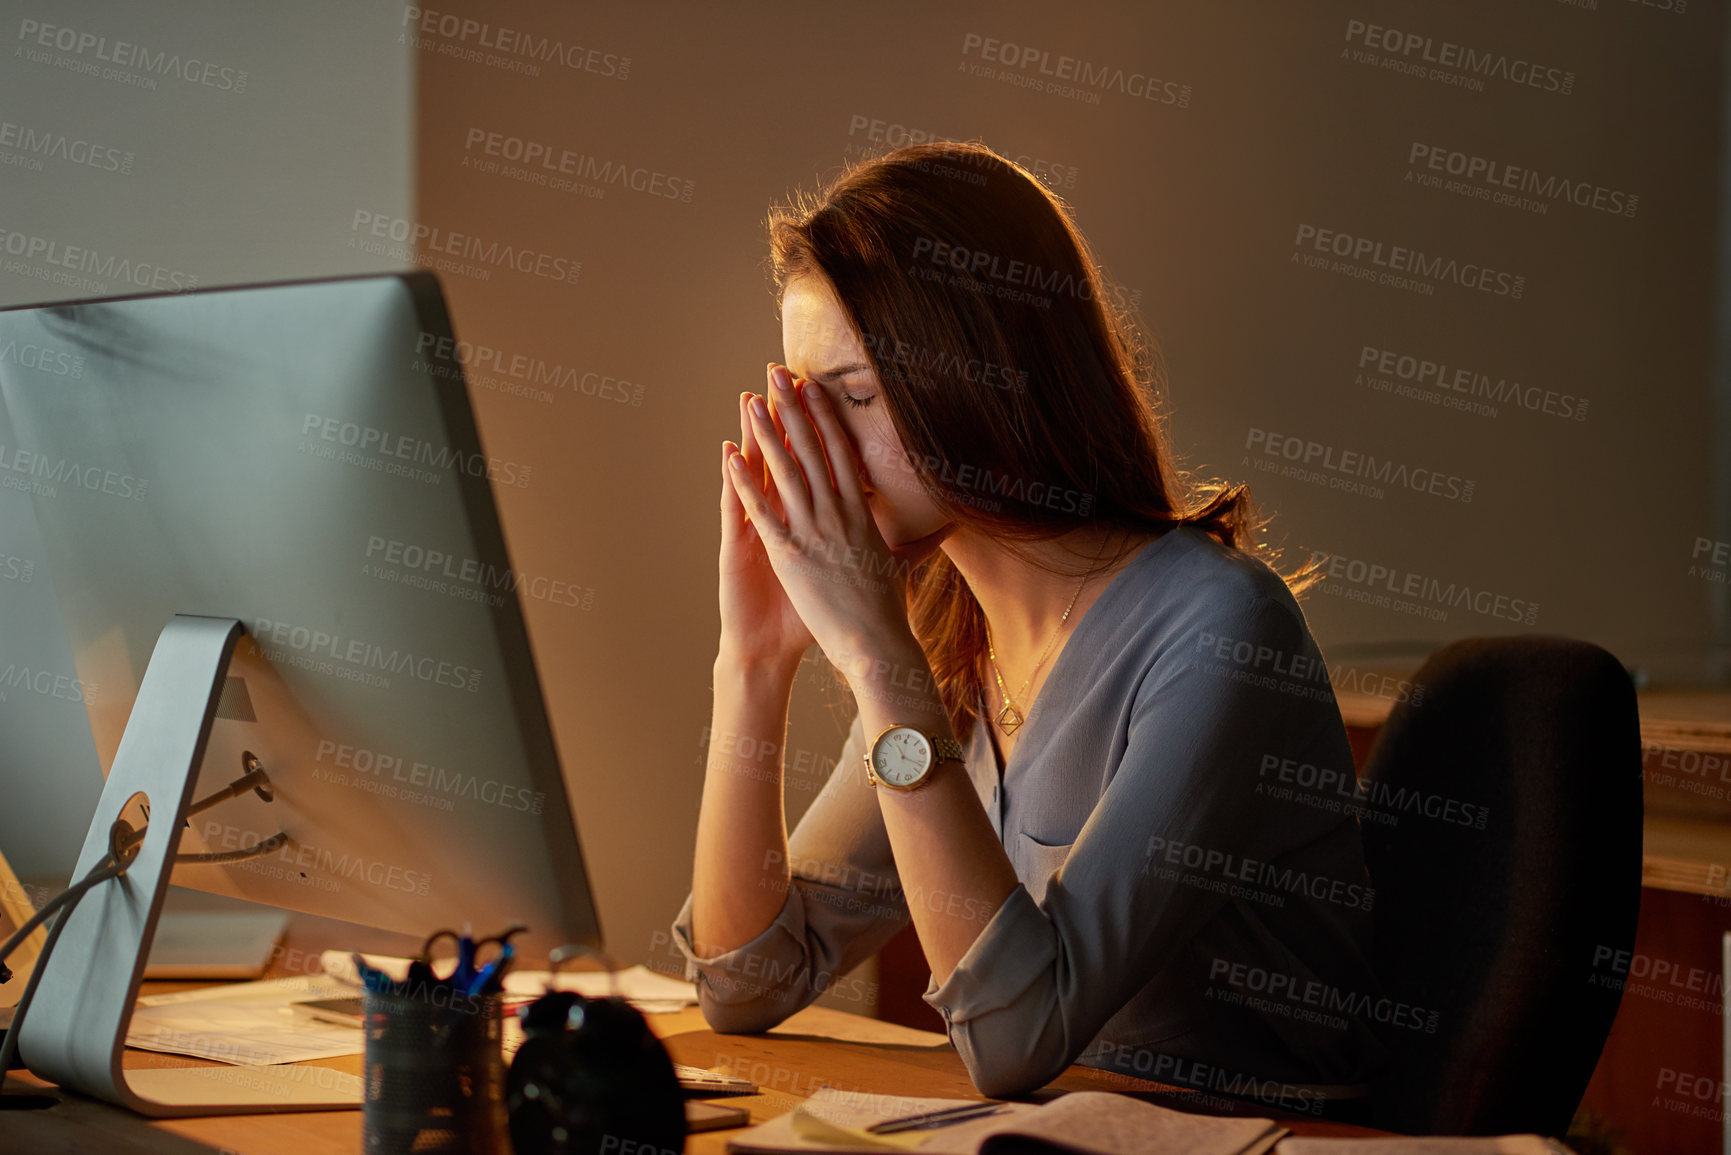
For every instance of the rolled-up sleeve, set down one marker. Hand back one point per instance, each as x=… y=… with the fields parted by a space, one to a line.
x=1044 y=977
x=844 y=903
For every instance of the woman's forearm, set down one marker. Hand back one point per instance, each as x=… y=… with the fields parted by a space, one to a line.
x=741 y=874
x=954 y=872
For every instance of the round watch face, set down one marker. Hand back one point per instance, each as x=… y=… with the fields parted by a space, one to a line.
x=902 y=756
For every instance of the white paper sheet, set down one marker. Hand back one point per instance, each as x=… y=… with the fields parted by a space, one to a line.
x=247 y=1024
x=646 y=990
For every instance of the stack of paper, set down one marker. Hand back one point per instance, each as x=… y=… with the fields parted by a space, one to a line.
x=249 y=1024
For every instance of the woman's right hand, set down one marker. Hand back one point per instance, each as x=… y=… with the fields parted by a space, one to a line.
x=759 y=626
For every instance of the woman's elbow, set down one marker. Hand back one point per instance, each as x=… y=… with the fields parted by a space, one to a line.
x=752 y=1017
x=1002 y=1073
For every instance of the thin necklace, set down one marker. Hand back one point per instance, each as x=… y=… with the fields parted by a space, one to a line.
x=1010 y=718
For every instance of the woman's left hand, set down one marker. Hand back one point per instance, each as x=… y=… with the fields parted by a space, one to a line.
x=835 y=566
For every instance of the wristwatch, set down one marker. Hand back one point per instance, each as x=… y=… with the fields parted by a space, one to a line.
x=902 y=758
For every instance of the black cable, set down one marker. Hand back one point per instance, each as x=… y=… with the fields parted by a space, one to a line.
x=105 y=870
x=66 y=901
x=124 y=843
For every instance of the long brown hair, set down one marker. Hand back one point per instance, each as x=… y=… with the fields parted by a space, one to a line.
x=1010 y=367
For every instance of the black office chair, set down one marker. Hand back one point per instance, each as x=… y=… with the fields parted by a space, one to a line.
x=1497 y=929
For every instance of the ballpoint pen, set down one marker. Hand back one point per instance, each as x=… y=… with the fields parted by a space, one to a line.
x=931 y=1120
x=376 y=980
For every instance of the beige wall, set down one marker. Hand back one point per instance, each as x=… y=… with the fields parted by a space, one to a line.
x=1195 y=205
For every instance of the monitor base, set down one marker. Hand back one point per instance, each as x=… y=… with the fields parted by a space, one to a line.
x=75 y=1031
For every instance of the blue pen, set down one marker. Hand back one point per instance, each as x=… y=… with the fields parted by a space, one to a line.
x=464 y=974
x=376 y=980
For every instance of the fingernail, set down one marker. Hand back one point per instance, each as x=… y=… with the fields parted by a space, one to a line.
x=811 y=392
x=782 y=380
x=758 y=407
x=737 y=461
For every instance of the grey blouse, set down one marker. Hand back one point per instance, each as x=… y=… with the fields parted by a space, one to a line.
x=1193 y=905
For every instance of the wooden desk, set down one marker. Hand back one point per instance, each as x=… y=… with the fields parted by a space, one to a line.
x=815 y=1047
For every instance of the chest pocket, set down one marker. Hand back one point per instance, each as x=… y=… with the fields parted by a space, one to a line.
x=1039 y=862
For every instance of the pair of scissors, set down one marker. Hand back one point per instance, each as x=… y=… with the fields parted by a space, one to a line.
x=465 y=976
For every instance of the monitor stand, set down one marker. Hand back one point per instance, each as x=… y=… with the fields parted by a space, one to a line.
x=75 y=1030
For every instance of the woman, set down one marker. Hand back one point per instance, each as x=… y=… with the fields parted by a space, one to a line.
x=958 y=488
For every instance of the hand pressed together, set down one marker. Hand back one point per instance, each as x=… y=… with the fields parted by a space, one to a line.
x=810 y=521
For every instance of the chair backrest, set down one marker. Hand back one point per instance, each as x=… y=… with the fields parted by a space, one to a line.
x=1503 y=836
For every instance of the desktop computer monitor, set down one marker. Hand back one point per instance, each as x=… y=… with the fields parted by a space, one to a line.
x=301 y=457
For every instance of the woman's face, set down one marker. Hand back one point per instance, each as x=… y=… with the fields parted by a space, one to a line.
x=820 y=344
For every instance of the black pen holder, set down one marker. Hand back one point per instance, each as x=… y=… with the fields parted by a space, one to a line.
x=435 y=1074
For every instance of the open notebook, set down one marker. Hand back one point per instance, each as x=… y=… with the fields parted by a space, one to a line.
x=1085 y=1122
x=1080 y=1123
